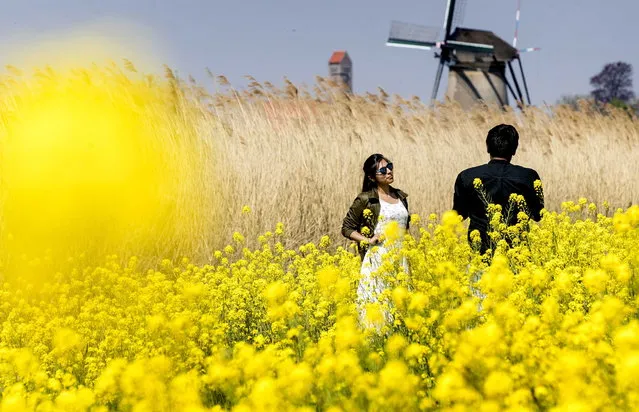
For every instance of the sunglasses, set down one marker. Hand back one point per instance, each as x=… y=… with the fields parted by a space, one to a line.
x=384 y=170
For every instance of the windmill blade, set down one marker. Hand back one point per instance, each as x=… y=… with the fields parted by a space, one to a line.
x=459 y=14
x=396 y=43
x=412 y=35
x=448 y=19
x=438 y=78
x=517 y=15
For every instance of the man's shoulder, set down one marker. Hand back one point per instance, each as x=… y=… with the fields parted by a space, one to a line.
x=525 y=170
x=471 y=172
x=473 y=169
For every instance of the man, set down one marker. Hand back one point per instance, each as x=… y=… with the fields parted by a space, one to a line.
x=499 y=179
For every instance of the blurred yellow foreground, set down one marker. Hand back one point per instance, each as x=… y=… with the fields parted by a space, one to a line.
x=93 y=160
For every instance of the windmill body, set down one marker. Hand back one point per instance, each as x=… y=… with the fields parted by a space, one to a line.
x=479 y=75
x=479 y=62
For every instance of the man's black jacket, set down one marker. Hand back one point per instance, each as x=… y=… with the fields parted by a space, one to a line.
x=500 y=179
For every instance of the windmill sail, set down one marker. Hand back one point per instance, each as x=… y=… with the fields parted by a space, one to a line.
x=517 y=17
x=459 y=13
x=412 y=35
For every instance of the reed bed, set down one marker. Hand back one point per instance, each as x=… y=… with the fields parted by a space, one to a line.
x=298 y=154
x=293 y=154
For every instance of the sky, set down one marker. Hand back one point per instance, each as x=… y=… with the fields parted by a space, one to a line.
x=295 y=38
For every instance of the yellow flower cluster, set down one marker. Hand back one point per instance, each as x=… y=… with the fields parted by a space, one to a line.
x=548 y=322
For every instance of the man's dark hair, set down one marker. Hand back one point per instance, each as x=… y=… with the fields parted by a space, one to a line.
x=502 y=141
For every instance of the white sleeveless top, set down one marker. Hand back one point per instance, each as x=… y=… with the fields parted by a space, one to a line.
x=391 y=212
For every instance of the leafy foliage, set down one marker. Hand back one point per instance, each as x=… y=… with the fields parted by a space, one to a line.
x=613 y=83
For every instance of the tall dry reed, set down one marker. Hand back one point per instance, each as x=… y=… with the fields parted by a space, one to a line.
x=299 y=154
x=294 y=155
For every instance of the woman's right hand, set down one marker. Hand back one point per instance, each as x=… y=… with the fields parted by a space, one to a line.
x=374 y=240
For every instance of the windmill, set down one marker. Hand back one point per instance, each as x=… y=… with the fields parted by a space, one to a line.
x=477 y=59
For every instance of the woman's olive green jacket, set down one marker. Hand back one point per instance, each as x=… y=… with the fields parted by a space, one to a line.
x=356 y=220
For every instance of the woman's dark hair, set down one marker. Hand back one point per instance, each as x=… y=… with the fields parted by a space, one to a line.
x=502 y=141
x=370 y=170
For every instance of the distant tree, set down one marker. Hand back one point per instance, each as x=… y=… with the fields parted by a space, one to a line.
x=613 y=84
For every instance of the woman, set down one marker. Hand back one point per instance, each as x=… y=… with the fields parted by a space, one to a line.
x=373 y=210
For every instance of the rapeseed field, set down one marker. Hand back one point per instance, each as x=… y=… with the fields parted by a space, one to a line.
x=144 y=266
